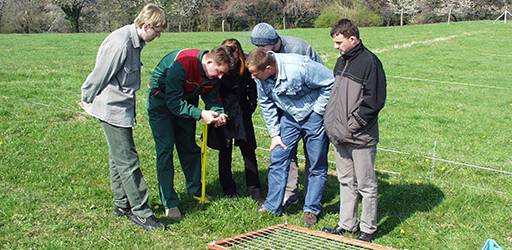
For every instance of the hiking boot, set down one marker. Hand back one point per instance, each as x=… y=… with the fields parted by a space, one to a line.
x=150 y=223
x=309 y=218
x=366 y=237
x=173 y=213
x=120 y=211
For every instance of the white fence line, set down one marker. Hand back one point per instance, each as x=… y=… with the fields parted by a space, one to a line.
x=449 y=82
x=436 y=159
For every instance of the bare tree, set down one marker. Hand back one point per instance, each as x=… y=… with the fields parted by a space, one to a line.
x=73 y=10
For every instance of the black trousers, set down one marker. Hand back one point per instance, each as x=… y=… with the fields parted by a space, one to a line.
x=251 y=167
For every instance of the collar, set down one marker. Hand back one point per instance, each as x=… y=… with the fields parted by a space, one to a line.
x=281 y=73
x=136 y=40
x=354 y=51
x=200 y=61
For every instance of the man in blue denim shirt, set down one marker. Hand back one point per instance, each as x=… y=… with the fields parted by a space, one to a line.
x=301 y=88
x=264 y=35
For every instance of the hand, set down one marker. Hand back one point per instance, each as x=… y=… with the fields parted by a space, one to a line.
x=221 y=120
x=209 y=116
x=276 y=141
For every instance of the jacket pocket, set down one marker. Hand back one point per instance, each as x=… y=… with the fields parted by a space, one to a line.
x=131 y=77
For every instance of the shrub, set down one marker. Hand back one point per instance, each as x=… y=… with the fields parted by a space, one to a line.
x=358 y=13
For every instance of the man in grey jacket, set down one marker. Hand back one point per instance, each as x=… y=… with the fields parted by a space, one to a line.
x=108 y=94
x=351 y=122
x=265 y=36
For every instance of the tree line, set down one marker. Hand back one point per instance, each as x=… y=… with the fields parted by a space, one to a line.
x=34 y=16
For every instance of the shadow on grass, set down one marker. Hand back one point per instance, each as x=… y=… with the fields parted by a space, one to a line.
x=397 y=202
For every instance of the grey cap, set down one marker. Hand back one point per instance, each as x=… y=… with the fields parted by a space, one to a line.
x=264 y=34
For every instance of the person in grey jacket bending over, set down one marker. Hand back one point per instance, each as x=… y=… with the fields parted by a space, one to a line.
x=108 y=94
x=300 y=88
x=265 y=36
x=351 y=121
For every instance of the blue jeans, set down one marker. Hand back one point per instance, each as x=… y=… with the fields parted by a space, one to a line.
x=317 y=144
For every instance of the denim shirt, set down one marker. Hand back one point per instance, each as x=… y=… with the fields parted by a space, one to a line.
x=301 y=86
x=108 y=93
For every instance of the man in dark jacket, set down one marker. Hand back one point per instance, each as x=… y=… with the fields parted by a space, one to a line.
x=351 y=122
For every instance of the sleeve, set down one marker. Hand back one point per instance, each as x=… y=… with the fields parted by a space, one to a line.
x=374 y=95
x=109 y=60
x=174 y=93
x=212 y=99
x=314 y=55
x=269 y=111
x=317 y=76
x=252 y=93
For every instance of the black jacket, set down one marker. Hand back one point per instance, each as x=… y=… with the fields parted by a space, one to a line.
x=359 y=93
x=239 y=98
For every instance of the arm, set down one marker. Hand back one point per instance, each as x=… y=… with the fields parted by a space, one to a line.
x=317 y=76
x=174 y=93
x=252 y=93
x=311 y=53
x=269 y=111
x=109 y=60
x=374 y=97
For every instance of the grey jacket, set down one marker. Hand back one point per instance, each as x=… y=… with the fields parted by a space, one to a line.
x=108 y=93
x=358 y=95
x=290 y=44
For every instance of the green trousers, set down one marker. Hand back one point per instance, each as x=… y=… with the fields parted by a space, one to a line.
x=169 y=130
x=128 y=184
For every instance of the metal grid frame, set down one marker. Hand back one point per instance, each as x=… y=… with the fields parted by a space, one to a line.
x=285 y=236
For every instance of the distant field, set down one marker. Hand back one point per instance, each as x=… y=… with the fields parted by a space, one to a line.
x=449 y=98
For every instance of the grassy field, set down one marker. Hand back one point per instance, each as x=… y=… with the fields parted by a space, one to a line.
x=449 y=95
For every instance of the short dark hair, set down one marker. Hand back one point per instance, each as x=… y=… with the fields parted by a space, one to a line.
x=260 y=58
x=346 y=28
x=222 y=54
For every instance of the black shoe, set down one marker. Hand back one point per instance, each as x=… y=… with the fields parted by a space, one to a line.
x=337 y=230
x=149 y=223
x=366 y=237
x=290 y=201
x=120 y=211
x=232 y=196
x=256 y=195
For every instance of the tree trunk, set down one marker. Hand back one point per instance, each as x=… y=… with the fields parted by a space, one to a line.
x=73 y=15
x=2 y=4
x=402 y=17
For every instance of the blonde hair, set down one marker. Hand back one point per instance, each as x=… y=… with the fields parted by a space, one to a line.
x=153 y=15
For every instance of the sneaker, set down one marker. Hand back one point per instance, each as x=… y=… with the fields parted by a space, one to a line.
x=173 y=213
x=335 y=230
x=290 y=201
x=150 y=223
x=263 y=210
x=120 y=211
x=366 y=237
x=309 y=218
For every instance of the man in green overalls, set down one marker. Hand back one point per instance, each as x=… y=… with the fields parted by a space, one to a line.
x=177 y=82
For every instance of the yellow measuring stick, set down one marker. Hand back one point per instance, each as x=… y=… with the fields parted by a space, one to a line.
x=204 y=161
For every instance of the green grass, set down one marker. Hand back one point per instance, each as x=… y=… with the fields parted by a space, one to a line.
x=55 y=190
